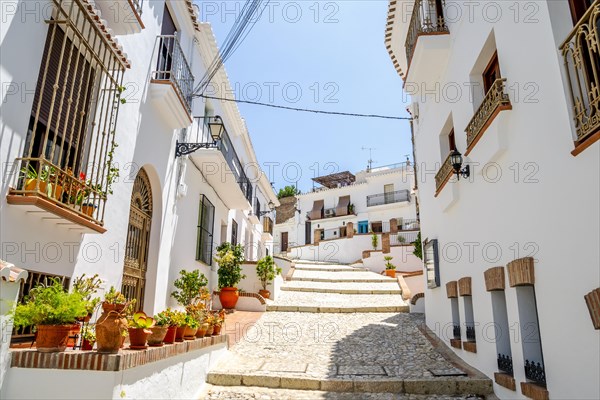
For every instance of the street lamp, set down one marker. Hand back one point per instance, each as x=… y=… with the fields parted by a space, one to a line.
x=271 y=208
x=456 y=160
x=216 y=128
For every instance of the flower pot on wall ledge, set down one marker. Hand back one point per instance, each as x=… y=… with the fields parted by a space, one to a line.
x=265 y=293
x=170 y=336
x=229 y=297
x=138 y=337
x=52 y=338
x=157 y=336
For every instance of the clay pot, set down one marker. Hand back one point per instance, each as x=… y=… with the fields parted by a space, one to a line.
x=30 y=184
x=138 y=338
x=157 y=336
x=229 y=297
x=88 y=209
x=264 y=293
x=391 y=273
x=52 y=338
x=202 y=330
x=108 y=329
x=210 y=330
x=217 y=330
x=179 y=333
x=87 y=345
x=73 y=335
x=170 y=336
x=189 y=333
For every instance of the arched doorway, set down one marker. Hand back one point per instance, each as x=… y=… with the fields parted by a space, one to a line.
x=138 y=239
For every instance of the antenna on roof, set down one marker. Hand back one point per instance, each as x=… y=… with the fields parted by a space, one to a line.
x=370 y=162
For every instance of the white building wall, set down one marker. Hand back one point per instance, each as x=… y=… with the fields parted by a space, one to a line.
x=527 y=196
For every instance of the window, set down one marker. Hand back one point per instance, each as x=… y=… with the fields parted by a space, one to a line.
x=431 y=261
x=491 y=73
x=234 y=232
x=578 y=9
x=206 y=219
x=502 y=332
x=284 y=241
x=377 y=227
x=257 y=207
x=451 y=140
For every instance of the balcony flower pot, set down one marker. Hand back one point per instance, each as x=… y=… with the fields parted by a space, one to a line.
x=88 y=209
x=264 y=293
x=179 y=333
x=170 y=336
x=31 y=185
x=52 y=338
x=189 y=333
x=391 y=273
x=202 y=330
x=229 y=297
x=138 y=338
x=155 y=339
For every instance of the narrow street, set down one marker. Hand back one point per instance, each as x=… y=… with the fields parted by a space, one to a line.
x=336 y=331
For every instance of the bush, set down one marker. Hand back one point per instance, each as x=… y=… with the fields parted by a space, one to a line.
x=50 y=305
x=189 y=286
x=266 y=271
x=374 y=241
x=230 y=259
x=418 y=251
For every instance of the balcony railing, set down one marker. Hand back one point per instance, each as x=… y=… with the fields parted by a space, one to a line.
x=443 y=175
x=137 y=6
x=408 y=224
x=401 y=238
x=535 y=372
x=456 y=331
x=268 y=225
x=388 y=198
x=470 y=332
x=505 y=364
x=581 y=53
x=199 y=133
x=494 y=101
x=427 y=19
x=173 y=67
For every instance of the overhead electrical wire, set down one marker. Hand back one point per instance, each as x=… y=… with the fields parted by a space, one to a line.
x=347 y=114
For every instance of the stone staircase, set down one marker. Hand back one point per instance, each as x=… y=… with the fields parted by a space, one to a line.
x=341 y=332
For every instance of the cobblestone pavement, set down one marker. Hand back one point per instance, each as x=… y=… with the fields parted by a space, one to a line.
x=258 y=393
x=329 y=347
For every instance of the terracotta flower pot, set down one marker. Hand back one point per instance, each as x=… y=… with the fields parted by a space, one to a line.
x=217 y=330
x=179 y=333
x=157 y=336
x=170 y=336
x=189 y=333
x=138 y=338
x=202 y=330
x=229 y=297
x=87 y=345
x=391 y=273
x=108 y=329
x=52 y=338
x=73 y=335
x=30 y=184
x=265 y=293
x=88 y=209
x=210 y=330
x=107 y=307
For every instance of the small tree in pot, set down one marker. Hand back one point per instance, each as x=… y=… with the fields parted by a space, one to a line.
x=266 y=271
x=230 y=259
x=390 y=269
x=189 y=287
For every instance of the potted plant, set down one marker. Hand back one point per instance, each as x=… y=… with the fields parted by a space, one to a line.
x=111 y=327
x=31 y=177
x=159 y=330
x=54 y=312
x=190 y=328
x=189 y=287
x=266 y=271
x=401 y=239
x=180 y=321
x=165 y=319
x=89 y=338
x=351 y=208
x=230 y=258
x=390 y=269
x=374 y=241
x=219 y=319
x=87 y=288
x=139 y=330
x=210 y=321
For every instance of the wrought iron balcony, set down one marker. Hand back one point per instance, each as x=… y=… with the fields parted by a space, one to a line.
x=535 y=372
x=427 y=19
x=505 y=364
x=443 y=175
x=456 y=331
x=581 y=54
x=495 y=100
x=173 y=68
x=388 y=198
x=470 y=330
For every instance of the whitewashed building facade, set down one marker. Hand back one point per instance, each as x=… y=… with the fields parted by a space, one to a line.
x=511 y=249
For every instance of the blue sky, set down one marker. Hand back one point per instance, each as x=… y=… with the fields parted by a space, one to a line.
x=318 y=55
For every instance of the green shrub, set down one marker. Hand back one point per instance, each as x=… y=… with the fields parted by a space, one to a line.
x=418 y=250
x=230 y=259
x=374 y=241
x=266 y=271
x=189 y=286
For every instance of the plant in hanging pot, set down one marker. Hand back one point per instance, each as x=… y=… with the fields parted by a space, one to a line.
x=89 y=338
x=266 y=271
x=230 y=258
x=54 y=312
x=111 y=327
x=139 y=330
x=390 y=269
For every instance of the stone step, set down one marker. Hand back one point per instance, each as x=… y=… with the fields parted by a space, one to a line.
x=451 y=386
x=333 y=310
x=337 y=303
x=340 y=276
x=330 y=268
x=343 y=287
x=333 y=280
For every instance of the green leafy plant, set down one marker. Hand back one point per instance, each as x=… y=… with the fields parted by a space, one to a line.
x=288 y=191
x=191 y=321
x=401 y=239
x=418 y=246
x=87 y=288
x=388 y=264
x=141 y=321
x=50 y=305
x=189 y=287
x=351 y=208
x=267 y=271
x=114 y=297
x=164 y=318
x=178 y=318
x=113 y=171
x=374 y=241
x=89 y=333
x=230 y=259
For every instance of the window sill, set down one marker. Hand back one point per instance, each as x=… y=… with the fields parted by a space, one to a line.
x=470 y=347
x=534 y=391
x=581 y=145
x=51 y=210
x=505 y=380
x=456 y=343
